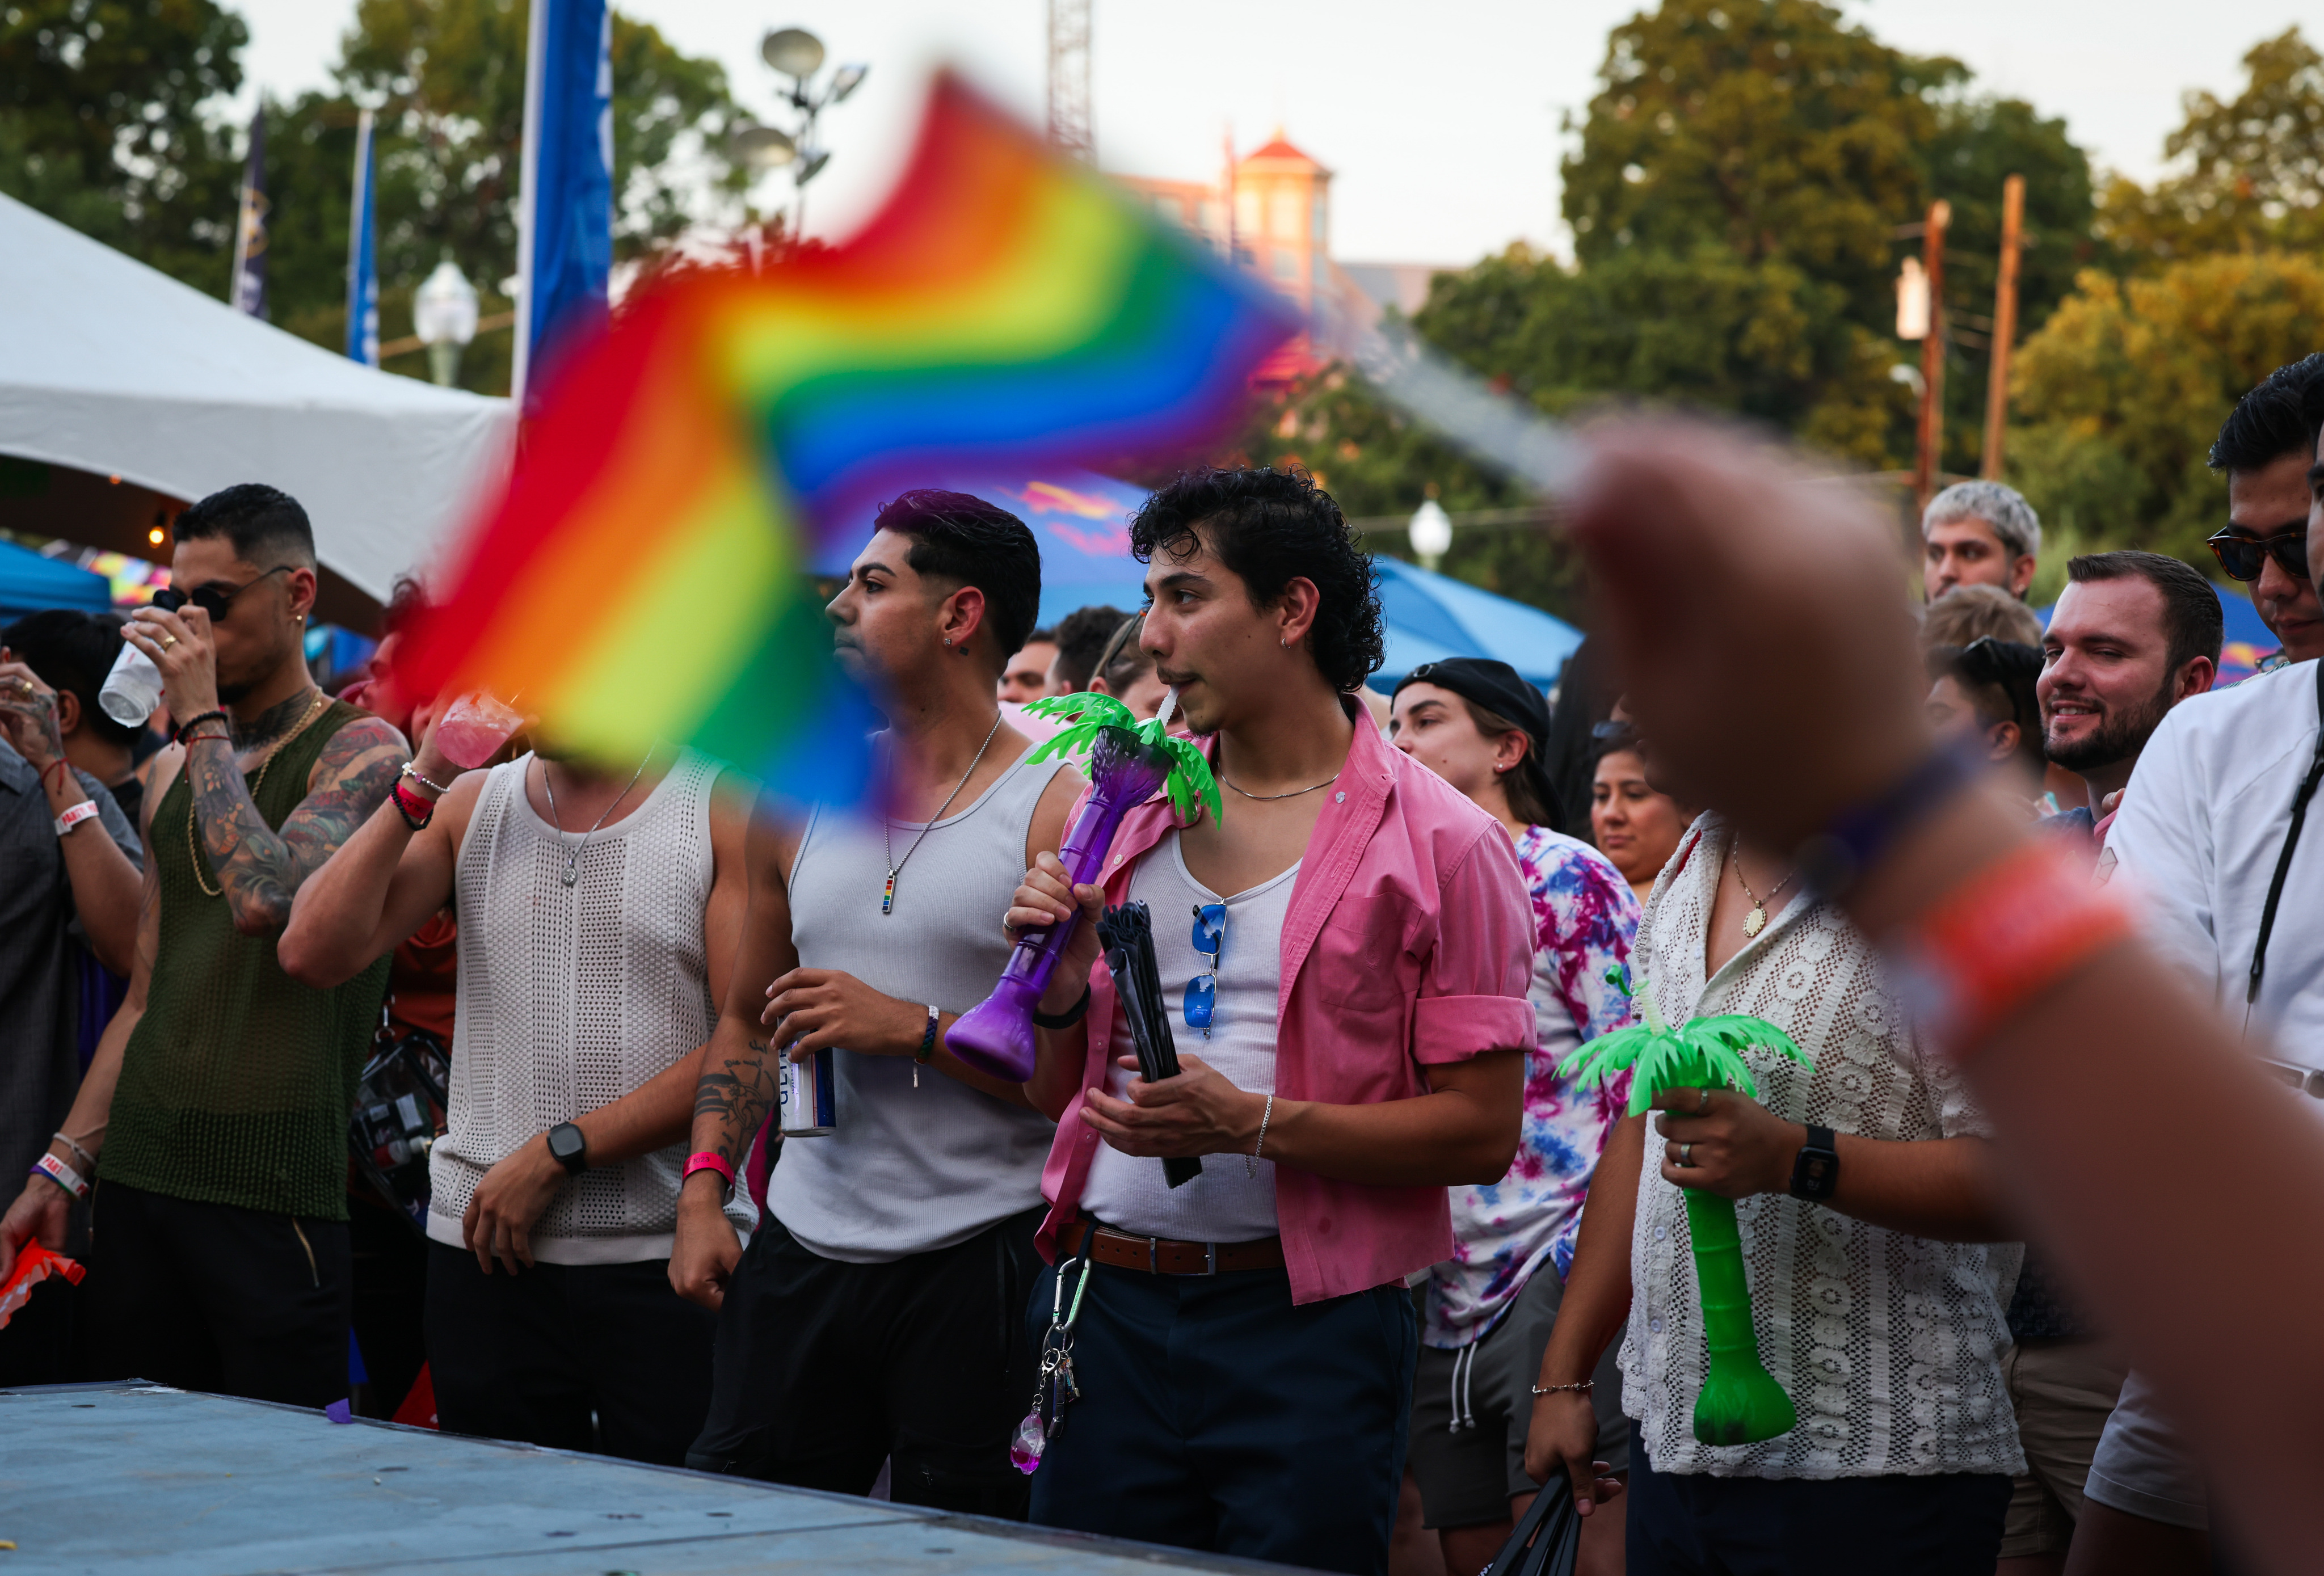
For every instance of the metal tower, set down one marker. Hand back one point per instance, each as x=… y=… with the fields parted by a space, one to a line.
x=1069 y=78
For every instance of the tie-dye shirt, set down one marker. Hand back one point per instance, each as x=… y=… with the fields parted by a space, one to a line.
x=1584 y=917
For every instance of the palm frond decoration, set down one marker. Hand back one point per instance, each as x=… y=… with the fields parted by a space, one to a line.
x=1189 y=781
x=1740 y=1403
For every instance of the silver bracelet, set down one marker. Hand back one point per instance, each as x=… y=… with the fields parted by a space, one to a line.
x=439 y=789
x=1583 y=1388
x=1251 y=1161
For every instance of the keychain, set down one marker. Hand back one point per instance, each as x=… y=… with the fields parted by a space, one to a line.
x=1057 y=1386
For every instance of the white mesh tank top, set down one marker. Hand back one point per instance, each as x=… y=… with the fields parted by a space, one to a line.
x=572 y=997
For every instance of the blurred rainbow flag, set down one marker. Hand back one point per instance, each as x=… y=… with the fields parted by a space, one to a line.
x=642 y=577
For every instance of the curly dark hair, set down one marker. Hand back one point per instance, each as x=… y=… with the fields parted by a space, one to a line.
x=1271 y=528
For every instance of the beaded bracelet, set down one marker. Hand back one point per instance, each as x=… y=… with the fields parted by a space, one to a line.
x=415 y=811
x=186 y=728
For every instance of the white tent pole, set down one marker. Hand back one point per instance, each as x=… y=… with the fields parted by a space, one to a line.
x=536 y=48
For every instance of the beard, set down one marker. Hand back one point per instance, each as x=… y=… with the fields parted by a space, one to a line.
x=2119 y=737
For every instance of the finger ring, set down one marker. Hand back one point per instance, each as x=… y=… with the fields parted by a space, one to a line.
x=167 y=641
x=1686 y=1155
x=1703 y=1106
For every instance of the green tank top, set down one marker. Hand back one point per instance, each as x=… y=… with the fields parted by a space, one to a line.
x=237 y=1084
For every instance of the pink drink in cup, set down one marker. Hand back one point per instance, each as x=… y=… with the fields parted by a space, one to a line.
x=473 y=728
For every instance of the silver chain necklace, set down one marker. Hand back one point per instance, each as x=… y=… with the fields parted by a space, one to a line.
x=572 y=876
x=887 y=827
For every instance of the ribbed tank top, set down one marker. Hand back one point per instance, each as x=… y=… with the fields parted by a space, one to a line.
x=572 y=997
x=912 y=1170
x=237 y=1083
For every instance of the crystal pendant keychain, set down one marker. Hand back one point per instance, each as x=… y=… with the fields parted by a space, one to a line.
x=1056 y=1383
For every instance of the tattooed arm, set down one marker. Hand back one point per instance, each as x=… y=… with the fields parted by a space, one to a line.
x=259 y=868
x=736 y=1089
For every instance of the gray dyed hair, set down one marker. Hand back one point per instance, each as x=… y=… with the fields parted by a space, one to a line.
x=2003 y=508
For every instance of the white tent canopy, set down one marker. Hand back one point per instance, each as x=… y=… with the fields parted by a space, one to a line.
x=109 y=366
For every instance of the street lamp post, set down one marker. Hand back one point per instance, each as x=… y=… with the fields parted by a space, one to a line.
x=1431 y=533
x=798 y=54
x=444 y=316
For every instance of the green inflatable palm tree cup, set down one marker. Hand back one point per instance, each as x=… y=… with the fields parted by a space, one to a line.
x=1740 y=1403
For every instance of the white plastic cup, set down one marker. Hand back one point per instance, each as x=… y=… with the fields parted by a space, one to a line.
x=132 y=689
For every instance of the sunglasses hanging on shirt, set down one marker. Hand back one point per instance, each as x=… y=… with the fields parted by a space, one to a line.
x=1202 y=991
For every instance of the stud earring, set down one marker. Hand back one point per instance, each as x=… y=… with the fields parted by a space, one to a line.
x=947 y=639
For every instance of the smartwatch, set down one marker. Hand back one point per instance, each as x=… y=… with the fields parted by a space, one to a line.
x=566 y=1146
x=1816 y=1172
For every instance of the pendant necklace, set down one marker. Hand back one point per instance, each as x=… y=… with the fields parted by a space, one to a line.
x=1756 y=920
x=571 y=876
x=887 y=827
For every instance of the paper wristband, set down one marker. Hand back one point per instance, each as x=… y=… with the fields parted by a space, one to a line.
x=75 y=815
x=2000 y=938
x=62 y=1175
x=704 y=1160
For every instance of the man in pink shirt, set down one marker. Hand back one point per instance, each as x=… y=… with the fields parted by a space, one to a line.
x=1349 y=1012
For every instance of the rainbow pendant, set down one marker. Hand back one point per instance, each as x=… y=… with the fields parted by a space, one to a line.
x=888 y=898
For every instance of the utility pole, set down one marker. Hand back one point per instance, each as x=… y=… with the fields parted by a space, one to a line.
x=1069 y=79
x=2004 y=327
x=1929 y=458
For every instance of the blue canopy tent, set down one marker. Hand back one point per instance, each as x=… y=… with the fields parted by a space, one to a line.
x=1081 y=522
x=30 y=582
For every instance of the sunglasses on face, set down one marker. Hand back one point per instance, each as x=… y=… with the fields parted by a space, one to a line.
x=213 y=600
x=1202 y=991
x=2244 y=556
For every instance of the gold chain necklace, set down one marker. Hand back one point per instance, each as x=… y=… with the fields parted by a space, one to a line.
x=1756 y=920
x=193 y=845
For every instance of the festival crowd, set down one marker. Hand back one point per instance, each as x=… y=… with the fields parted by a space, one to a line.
x=1425 y=1264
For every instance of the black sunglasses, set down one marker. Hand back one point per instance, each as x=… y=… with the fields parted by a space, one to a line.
x=2244 y=557
x=210 y=599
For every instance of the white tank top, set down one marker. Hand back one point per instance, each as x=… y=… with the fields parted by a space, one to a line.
x=911 y=1170
x=573 y=996
x=1233 y=1200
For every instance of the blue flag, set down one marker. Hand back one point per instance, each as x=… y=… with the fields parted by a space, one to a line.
x=248 y=290
x=363 y=261
x=565 y=217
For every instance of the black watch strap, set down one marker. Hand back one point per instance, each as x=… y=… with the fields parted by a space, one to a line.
x=569 y=1147
x=1816 y=1173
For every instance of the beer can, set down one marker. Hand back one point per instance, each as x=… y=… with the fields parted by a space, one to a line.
x=808 y=1101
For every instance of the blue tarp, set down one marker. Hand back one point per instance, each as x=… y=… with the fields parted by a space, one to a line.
x=1081 y=522
x=30 y=582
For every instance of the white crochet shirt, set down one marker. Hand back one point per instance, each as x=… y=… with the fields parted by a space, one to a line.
x=1889 y=1345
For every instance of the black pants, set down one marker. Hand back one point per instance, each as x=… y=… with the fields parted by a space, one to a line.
x=825 y=1369
x=390 y=1301
x=531 y=1356
x=212 y=1297
x=1217 y=1415
x=1693 y=1525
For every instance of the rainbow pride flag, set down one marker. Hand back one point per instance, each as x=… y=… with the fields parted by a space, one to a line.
x=642 y=577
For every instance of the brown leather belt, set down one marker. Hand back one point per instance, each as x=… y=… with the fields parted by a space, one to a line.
x=1162 y=1256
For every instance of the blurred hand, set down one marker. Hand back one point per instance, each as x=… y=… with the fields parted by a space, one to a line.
x=181 y=646
x=1758 y=622
x=508 y=1201
x=703 y=1256
x=817 y=1009
x=1740 y=1146
x=1046 y=898
x=1563 y=1437
x=1197 y=1112
x=37 y=1215
x=28 y=713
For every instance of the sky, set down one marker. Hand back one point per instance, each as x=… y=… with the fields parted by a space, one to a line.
x=1444 y=138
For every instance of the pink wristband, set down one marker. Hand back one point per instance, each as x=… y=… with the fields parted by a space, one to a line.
x=704 y=1160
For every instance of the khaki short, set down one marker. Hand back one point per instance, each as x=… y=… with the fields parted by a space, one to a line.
x=2063 y=1395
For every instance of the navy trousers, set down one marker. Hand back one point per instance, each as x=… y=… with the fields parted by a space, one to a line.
x=1693 y=1525
x=1216 y=1415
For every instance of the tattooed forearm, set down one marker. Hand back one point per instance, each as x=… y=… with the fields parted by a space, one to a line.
x=736 y=1099
x=259 y=868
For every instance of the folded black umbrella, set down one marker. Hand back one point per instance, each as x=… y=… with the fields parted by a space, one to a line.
x=1548 y=1539
x=1128 y=932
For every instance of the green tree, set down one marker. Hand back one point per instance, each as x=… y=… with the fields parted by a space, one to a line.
x=2119 y=396
x=102 y=124
x=2250 y=171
